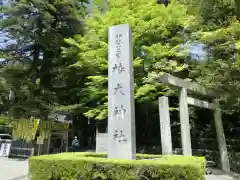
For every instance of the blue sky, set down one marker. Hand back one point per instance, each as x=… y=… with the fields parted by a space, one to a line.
x=197 y=52
x=2 y=35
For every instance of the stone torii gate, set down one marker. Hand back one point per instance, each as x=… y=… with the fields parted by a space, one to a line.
x=184 y=101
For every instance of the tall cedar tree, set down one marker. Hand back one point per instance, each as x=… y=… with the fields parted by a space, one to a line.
x=34 y=69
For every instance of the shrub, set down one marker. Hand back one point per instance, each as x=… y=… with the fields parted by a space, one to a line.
x=95 y=166
x=4 y=120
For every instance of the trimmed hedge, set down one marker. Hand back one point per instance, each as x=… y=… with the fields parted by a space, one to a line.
x=95 y=166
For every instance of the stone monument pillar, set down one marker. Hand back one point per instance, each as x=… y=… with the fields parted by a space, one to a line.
x=121 y=112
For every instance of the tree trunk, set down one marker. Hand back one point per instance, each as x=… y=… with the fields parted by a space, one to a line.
x=237 y=2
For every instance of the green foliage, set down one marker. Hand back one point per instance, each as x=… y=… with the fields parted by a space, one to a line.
x=67 y=108
x=4 y=120
x=157 y=34
x=217 y=13
x=221 y=72
x=58 y=60
x=36 y=73
x=71 y=166
x=27 y=99
x=4 y=91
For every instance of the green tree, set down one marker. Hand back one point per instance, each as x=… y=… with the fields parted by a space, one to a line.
x=37 y=29
x=158 y=35
x=162 y=39
x=220 y=34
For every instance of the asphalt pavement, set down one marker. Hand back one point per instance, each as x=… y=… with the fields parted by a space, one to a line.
x=13 y=169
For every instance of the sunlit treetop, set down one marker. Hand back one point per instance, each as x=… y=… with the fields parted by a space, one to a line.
x=157 y=35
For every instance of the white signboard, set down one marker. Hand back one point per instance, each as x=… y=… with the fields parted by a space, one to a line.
x=101 y=142
x=40 y=140
x=5 y=149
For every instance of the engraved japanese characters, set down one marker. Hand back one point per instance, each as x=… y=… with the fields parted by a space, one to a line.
x=121 y=118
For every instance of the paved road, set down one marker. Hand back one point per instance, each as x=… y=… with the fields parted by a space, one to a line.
x=218 y=175
x=14 y=169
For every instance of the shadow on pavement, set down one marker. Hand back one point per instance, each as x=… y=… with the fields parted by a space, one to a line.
x=17 y=159
x=20 y=177
x=220 y=174
x=234 y=175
